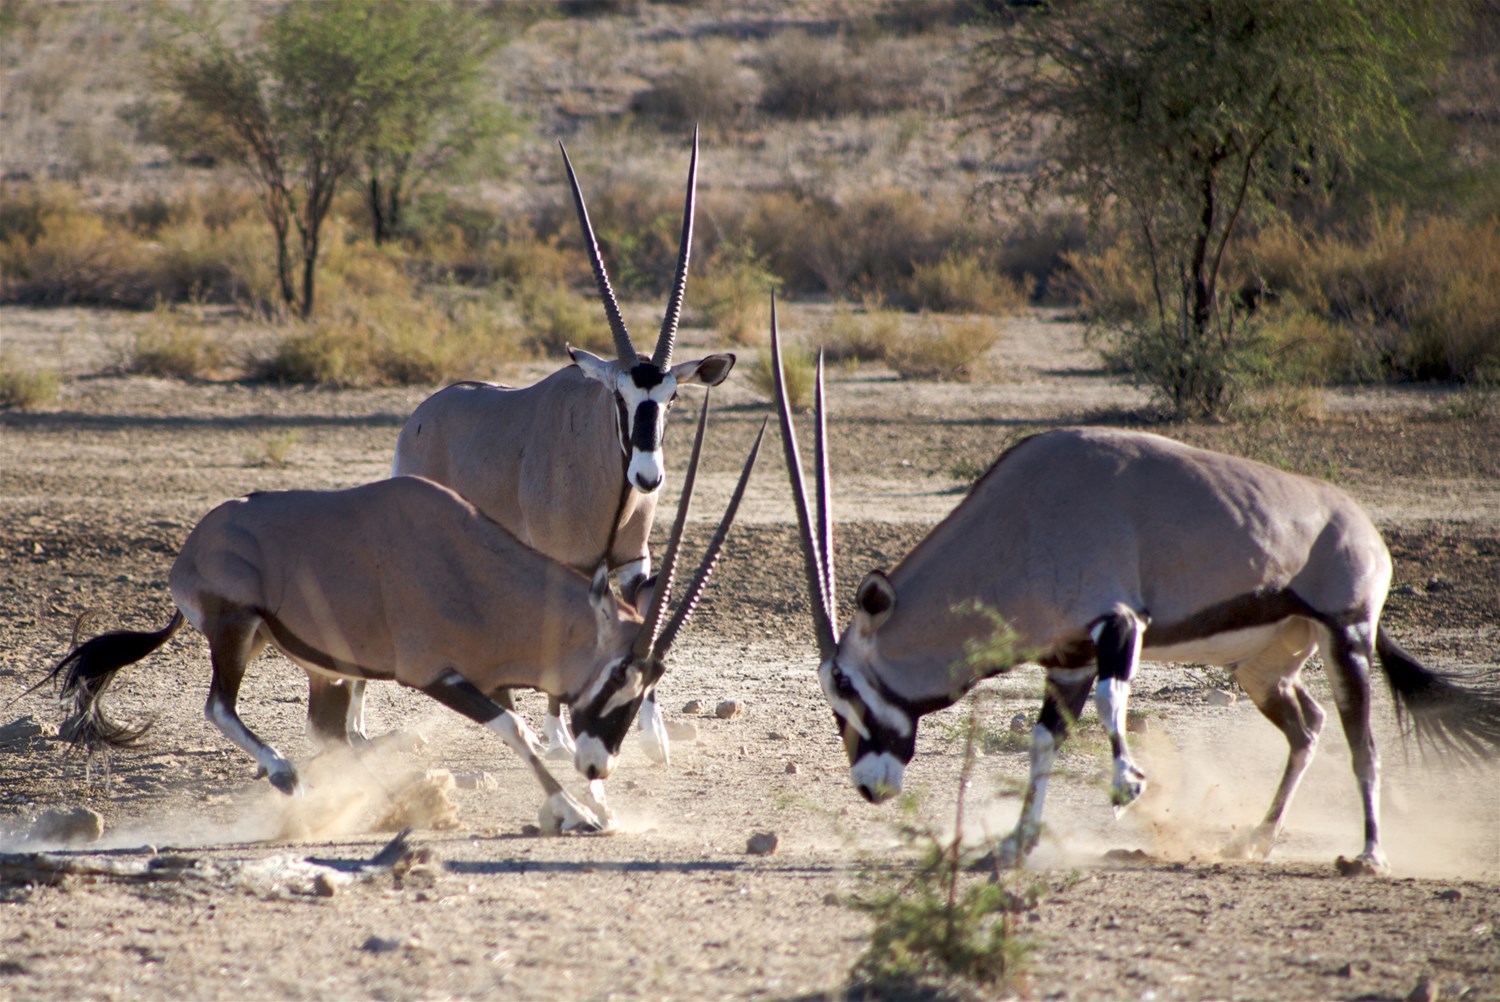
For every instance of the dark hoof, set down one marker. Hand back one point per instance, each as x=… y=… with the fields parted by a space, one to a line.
x=286 y=782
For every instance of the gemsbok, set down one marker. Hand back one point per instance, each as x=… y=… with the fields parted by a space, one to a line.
x=1099 y=547
x=570 y=464
x=405 y=580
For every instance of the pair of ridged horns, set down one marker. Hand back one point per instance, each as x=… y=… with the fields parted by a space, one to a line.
x=817 y=540
x=653 y=638
x=662 y=357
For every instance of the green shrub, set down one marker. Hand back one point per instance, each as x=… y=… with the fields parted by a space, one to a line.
x=26 y=389
x=77 y=256
x=941 y=923
x=1411 y=300
x=799 y=368
x=861 y=335
x=960 y=282
x=864 y=245
x=392 y=340
x=735 y=295
x=174 y=345
x=948 y=350
x=556 y=318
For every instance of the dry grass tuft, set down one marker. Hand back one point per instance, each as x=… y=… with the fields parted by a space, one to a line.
x=961 y=282
x=176 y=345
x=734 y=295
x=26 y=389
x=861 y=335
x=944 y=350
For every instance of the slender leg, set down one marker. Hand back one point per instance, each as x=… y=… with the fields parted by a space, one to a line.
x=457 y=693
x=1117 y=639
x=559 y=737
x=336 y=710
x=1272 y=682
x=653 y=728
x=233 y=641
x=1350 y=656
x=1067 y=691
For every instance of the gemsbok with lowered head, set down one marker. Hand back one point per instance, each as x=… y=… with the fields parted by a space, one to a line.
x=1099 y=547
x=405 y=580
x=570 y=464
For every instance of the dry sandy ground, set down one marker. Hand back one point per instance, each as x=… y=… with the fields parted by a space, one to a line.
x=211 y=885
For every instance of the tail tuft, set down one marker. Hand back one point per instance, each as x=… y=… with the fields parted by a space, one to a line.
x=87 y=672
x=1454 y=714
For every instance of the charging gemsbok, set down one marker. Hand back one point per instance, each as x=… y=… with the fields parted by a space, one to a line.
x=571 y=464
x=403 y=579
x=1100 y=547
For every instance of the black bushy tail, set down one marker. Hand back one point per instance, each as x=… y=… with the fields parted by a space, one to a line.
x=87 y=672
x=1462 y=719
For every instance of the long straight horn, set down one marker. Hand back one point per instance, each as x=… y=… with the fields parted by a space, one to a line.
x=825 y=500
x=824 y=626
x=645 y=640
x=710 y=556
x=623 y=348
x=668 y=337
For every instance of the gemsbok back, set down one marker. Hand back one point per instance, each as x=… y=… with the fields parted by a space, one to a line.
x=570 y=464
x=1101 y=547
x=405 y=580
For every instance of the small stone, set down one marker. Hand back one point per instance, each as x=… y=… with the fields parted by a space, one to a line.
x=791 y=768
x=25 y=731
x=1425 y=991
x=1439 y=583
x=68 y=825
x=1020 y=723
x=1137 y=722
x=729 y=709
x=679 y=731
x=693 y=706
x=762 y=844
x=1221 y=697
x=476 y=781
x=381 y=944
x=1451 y=894
x=775 y=736
x=324 y=887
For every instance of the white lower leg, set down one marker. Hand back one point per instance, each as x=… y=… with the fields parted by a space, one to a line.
x=559 y=737
x=654 y=730
x=560 y=811
x=1028 y=830
x=1110 y=698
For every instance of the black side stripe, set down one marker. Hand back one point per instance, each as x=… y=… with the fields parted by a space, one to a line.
x=295 y=646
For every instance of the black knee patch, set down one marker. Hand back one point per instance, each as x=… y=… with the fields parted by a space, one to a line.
x=1115 y=645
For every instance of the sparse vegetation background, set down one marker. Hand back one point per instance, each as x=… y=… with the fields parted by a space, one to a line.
x=837 y=165
x=156 y=365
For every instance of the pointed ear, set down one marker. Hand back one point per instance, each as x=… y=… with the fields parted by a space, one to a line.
x=603 y=600
x=710 y=371
x=639 y=593
x=594 y=367
x=874 y=603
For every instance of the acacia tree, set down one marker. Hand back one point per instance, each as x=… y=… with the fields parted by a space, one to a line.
x=300 y=108
x=1179 y=117
x=441 y=119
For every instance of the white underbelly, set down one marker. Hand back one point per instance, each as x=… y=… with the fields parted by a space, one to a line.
x=1221 y=649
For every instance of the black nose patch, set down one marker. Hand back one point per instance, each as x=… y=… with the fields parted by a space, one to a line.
x=645 y=436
